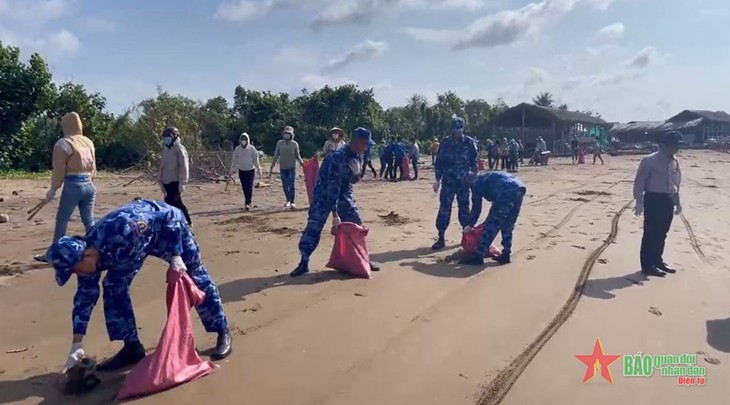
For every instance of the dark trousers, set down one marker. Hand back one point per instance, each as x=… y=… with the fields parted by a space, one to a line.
x=597 y=155
x=173 y=197
x=365 y=165
x=658 y=214
x=414 y=162
x=384 y=168
x=396 y=169
x=246 y=177
x=505 y=164
x=492 y=160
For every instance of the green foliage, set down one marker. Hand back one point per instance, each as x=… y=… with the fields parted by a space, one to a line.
x=31 y=106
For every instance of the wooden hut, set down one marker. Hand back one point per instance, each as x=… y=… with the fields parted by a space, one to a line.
x=528 y=121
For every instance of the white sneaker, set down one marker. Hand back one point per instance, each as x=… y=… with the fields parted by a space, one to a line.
x=247 y=207
x=292 y=206
x=287 y=205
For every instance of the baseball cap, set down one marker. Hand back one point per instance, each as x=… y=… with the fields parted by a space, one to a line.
x=64 y=255
x=672 y=138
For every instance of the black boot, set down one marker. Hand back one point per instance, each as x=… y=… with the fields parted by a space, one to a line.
x=223 y=346
x=653 y=272
x=503 y=259
x=440 y=243
x=374 y=266
x=131 y=354
x=301 y=270
x=663 y=267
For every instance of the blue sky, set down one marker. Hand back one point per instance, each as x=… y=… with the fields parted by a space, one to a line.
x=627 y=59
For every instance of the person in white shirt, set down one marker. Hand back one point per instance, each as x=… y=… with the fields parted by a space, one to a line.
x=246 y=162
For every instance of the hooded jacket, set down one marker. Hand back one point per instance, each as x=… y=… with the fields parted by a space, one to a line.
x=287 y=154
x=174 y=164
x=74 y=153
x=245 y=158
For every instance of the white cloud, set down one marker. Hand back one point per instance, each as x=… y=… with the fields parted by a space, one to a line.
x=611 y=32
x=241 y=10
x=644 y=59
x=362 y=52
x=23 y=24
x=602 y=5
x=536 y=76
x=629 y=70
x=500 y=28
x=299 y=56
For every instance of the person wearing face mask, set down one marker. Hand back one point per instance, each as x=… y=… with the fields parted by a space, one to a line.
x=117 y=246
x=74 y=167
x=457 y=156
x=246 y=163
x=333 y=196
x=287 y=154
x=174 y=170
x=336 y=140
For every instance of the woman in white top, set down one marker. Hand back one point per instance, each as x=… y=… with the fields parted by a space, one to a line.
x=336 y=140
x=246 y=161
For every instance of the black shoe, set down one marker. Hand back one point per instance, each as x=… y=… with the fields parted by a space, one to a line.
x=223 y=346
x=653 y=272
x=374 y=266
x=440 y=244
x=503 y=259
x=131 y=354
x=663 y=267
x=301 y=270
x=40 y=258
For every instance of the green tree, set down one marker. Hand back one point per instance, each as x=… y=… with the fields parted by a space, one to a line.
x=544 y=99
x=24 y=93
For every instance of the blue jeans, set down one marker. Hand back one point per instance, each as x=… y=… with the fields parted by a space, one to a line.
x=78 y=191
x=288 y=177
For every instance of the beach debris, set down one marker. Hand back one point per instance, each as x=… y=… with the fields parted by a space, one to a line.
x=13 y=351
x=80 y=378
x=712 y=360
x=4 y=218
x=655 y=311
x=394 y=219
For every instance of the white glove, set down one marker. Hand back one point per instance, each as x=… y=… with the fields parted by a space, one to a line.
x=677 y=209
x=74 y=356
x=50 y=194
x=181 y=188
x=177 y=264
x=639 y=208
x=436 y=186
x=336 y=222
x=355 y=167
x=467 y=229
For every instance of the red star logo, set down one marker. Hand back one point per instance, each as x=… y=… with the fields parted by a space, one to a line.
x=597 y=360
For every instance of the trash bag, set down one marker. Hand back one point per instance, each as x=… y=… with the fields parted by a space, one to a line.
x=175 y=360
x=405 y=165
x=311 y=171
x=470 y=242
x=481 y=164
x=350 y=252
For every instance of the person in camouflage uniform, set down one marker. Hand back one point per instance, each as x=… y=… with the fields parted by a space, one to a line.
x=119 y=244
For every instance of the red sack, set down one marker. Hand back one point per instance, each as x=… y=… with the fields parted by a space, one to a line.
x=470 y=242
x=175 y=360
x=350 y=252
x=480 y=163
x=405 y=165
x=311 y=171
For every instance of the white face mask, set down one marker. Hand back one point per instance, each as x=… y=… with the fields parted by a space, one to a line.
x=244 y=143
x=287 y=136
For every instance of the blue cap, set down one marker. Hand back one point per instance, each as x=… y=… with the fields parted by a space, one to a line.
x=458 y=124
x=64 y=255
x=672 y=138
x=362 y=134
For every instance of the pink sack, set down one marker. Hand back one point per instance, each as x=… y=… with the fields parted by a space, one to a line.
x=470 y=242
x=311 y=171
x=175 y=360
x=406 y=168
x=350 y=252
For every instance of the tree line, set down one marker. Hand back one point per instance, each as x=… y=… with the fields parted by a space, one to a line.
x=31 y=105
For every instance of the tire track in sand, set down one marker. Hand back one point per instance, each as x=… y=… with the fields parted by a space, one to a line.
x=693 y=239
x=496 y=390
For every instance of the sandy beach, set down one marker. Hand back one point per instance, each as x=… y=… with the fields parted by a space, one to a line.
x=424 y=330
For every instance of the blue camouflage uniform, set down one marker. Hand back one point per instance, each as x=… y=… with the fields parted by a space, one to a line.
x=124 y=238
x=332 y=193
x=456 y=157
x=505 y=192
